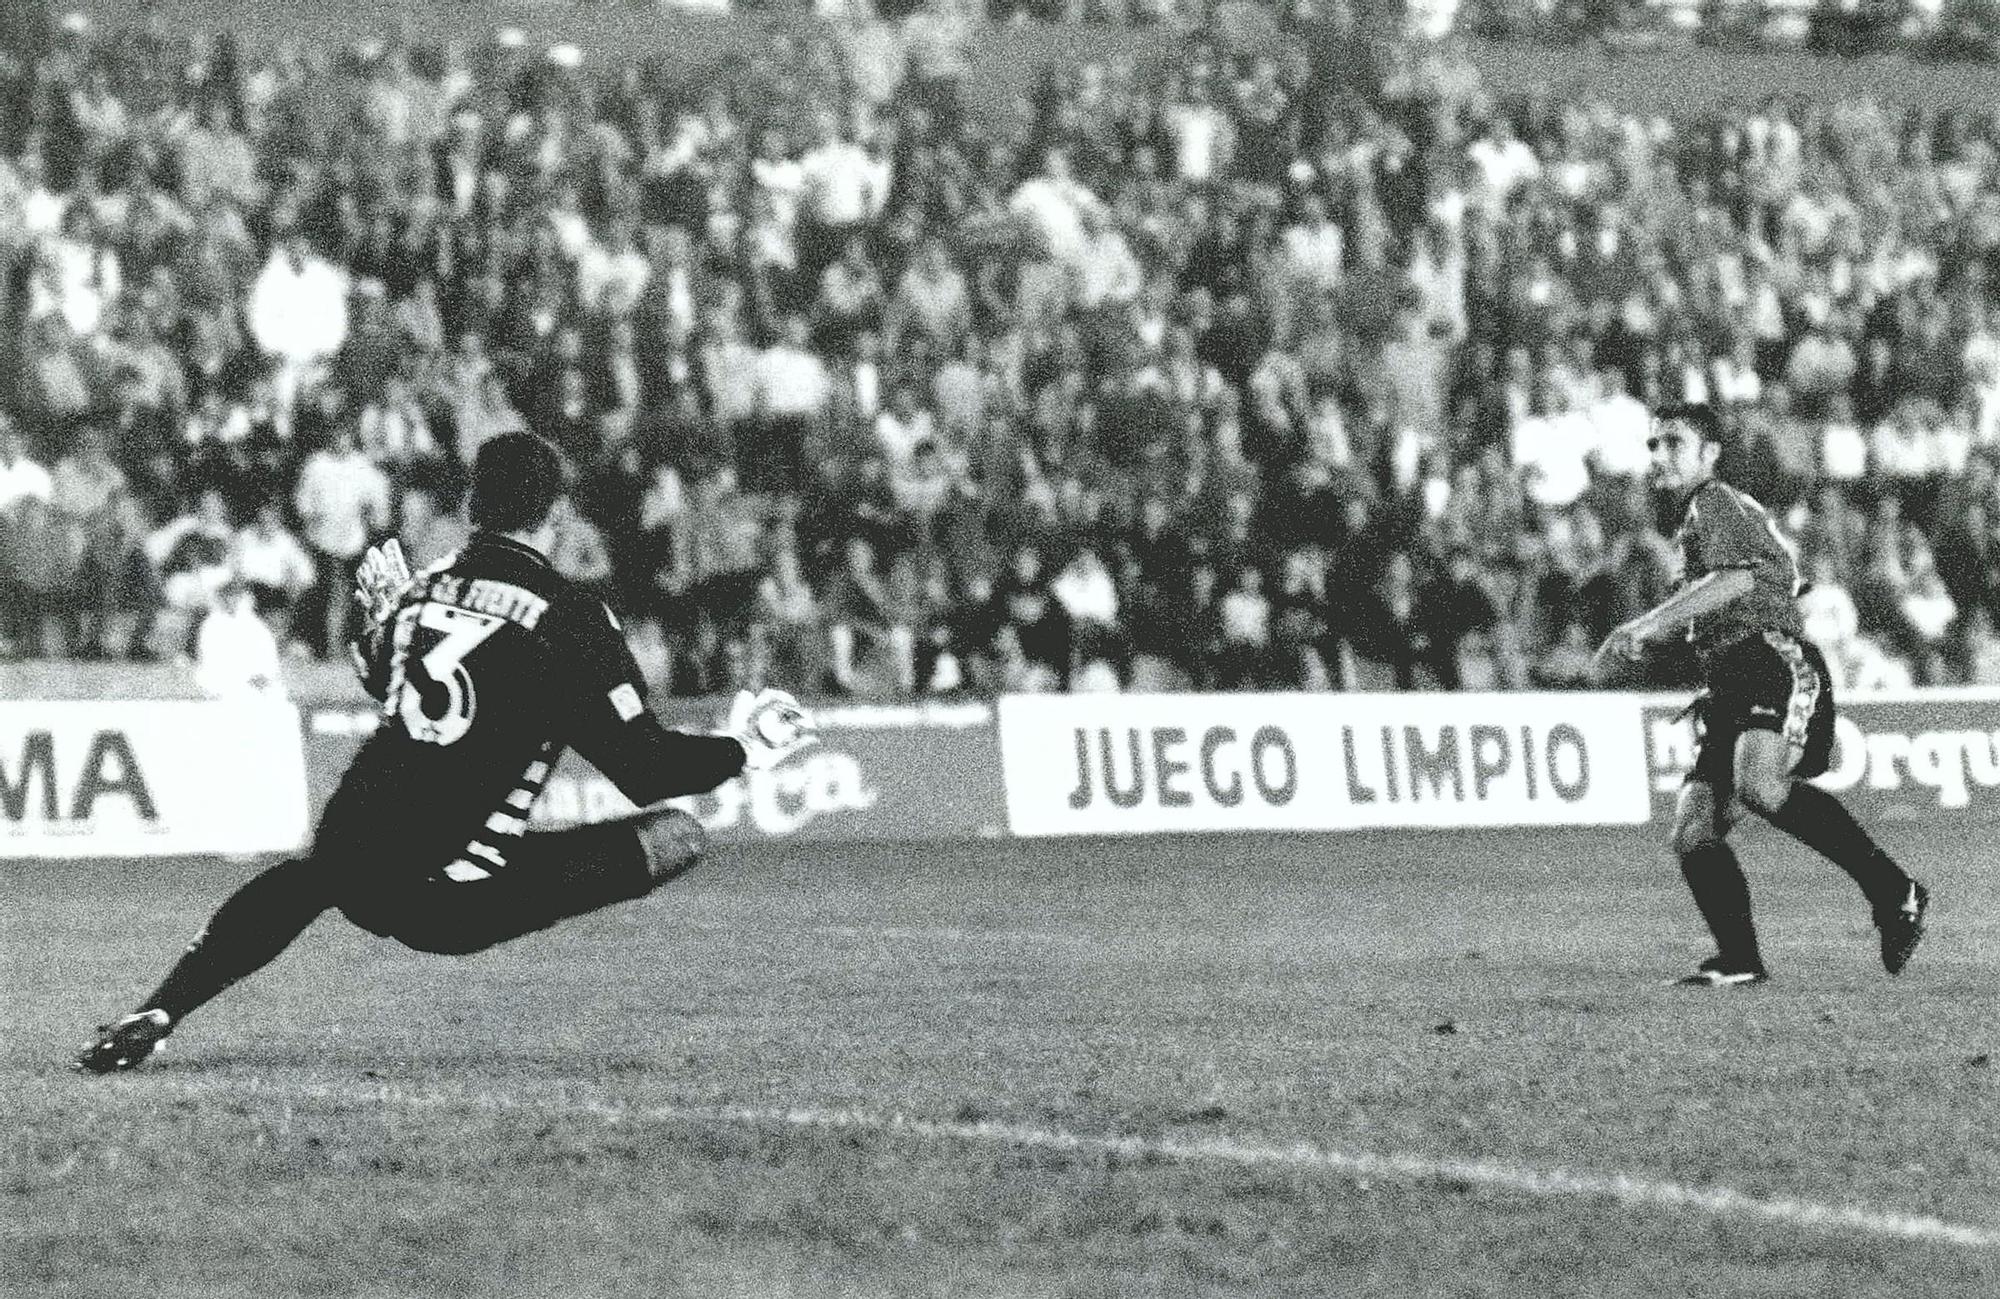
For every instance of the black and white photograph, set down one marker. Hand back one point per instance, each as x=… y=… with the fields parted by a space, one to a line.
x=1000 y=649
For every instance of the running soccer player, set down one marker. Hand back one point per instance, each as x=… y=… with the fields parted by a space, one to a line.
x=1764 y=719
x=487 y=666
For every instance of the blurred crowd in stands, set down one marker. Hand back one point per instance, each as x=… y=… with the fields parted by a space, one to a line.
x=1298 y=363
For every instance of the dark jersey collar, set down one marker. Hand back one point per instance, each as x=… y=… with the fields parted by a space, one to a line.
x=501 y=541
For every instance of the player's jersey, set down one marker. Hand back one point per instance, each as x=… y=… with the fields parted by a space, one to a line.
x=1723 y=528
x=492 y=665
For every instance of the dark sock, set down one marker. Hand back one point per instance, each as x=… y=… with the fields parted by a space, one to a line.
x=1723 y=895
x=246 y=933
x=1822 y=823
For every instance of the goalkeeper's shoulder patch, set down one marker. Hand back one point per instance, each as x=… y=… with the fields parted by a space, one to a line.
x=625 y=698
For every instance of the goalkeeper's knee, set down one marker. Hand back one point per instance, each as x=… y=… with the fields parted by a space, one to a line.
x=672 y=841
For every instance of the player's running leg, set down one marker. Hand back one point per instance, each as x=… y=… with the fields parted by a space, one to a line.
x=1703 y=819
x=1765 y=761
x=549 y=878
x=246 y=933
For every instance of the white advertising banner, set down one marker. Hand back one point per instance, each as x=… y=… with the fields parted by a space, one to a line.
x=1153 y=764
x=149 y=778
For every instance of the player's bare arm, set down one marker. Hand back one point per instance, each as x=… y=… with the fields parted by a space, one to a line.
x=1704 y=596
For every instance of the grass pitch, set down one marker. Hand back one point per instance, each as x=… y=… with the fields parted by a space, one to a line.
x=1331 y=1066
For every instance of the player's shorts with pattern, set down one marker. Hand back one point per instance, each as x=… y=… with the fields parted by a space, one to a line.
x=1766 y=682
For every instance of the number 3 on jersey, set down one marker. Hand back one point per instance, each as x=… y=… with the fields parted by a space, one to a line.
x=433 y=692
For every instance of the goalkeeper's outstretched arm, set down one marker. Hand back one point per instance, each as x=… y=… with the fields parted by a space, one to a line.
x=614 y=729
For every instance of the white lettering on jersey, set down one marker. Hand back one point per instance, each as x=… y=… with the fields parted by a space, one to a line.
x=459 y=632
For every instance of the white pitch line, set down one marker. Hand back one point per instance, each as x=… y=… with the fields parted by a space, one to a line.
x=1552 y=1183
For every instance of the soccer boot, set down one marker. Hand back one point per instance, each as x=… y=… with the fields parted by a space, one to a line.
x=1902 y=927
x=126 y=1044
x=1715 y=972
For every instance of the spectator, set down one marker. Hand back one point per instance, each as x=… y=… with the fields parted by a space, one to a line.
x=1053 y=207
x=1183 y=638
x=100 y=520
x=612 y=273
x=1300 y=617
x=780 y=179
x=791 y=388
x=420 y=322
x=20 y=476
x=1927 y=608
x=1843 y=446
x=1833 y=623
x=77 y=276
x=902 y=428
x=273 y=565
x=866 y=645
x=42 y=562
x=1903 y=455
x=1200 y=134
x=850 y=300
x=1084 y=312
x=393 y=428
x=1821 y=364
x=931 y=300
x=298 y=316
x=343 y=502
x=1388 y=633
x=844 y=186
x=482 y=411
x=1040 y=623
x=790 y=613
x=1982 y=377
x=216 y=161
x=235 y=653
x=1314 y=251
x=922 y=488
x=1016 y=672
x=1504 y=162
x=580 y=554
x=1244 y=657
x=961 y=395
x=194 y=556
x=1460 y=616
x=1089 y=600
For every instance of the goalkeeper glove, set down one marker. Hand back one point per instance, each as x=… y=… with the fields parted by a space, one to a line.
x=380 y=584
x=771 y=726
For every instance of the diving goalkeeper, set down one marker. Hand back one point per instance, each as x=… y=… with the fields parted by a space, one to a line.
x=487 y=667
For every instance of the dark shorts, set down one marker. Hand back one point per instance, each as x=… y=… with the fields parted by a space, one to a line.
x=549 y=877
x=1767 y=682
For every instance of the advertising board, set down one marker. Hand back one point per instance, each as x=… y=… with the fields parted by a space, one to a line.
x=920 y=771
x=129 y=778
x=1136 y=764
x=1896 y=757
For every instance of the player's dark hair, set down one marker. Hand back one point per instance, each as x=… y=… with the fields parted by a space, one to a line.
x=516 y=481
x=1697 y=415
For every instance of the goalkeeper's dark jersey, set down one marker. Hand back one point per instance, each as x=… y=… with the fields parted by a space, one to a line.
x=1723 y=528
x=491 y=666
